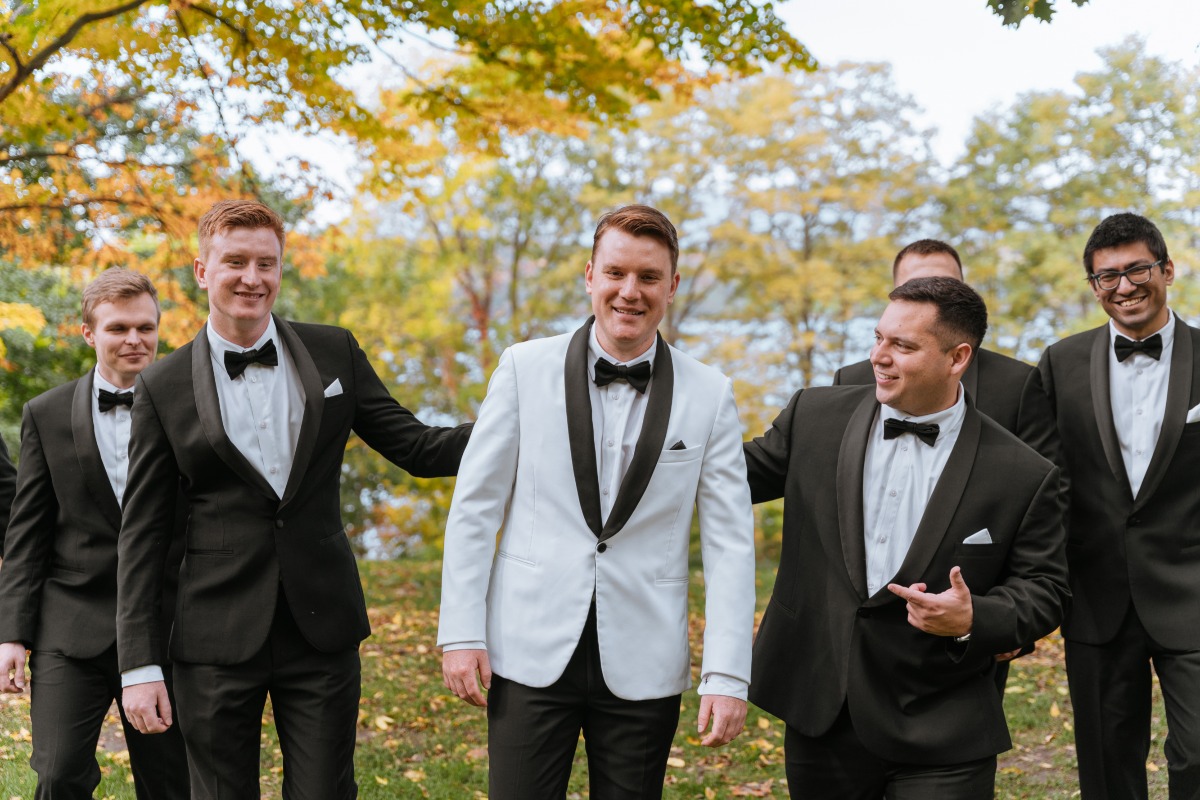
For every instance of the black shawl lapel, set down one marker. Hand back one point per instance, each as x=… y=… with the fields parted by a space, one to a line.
x=208 y=409
x=1179 y=394
x=945 y=500
x=314 y=406
x=650 y=442
x=91 y=464
x=580 y=433
x=852 y=459
x=1102 y=408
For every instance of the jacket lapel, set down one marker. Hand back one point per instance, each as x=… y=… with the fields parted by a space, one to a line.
x=580 y=433
x=852 y=457
x=208 y=409
x=314 y=406
x=1179 y=394
x=1102 y=408
x=650 y=442
x=943 y=503
x=91 y=464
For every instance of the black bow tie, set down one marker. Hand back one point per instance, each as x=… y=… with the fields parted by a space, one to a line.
x=236 y=363
x=637 y=376
x=1152 y=347
x=110 y=400
x=927 y=432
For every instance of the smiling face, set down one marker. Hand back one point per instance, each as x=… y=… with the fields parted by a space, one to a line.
x=1136 y=310
x=914 y=372
x=240 y=269
x=124 y=334
x=631 y=284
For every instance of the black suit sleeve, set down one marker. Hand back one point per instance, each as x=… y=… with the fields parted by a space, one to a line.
x=29 y=540
x=767 y=456
x=148 y=525
x=1035 y=420
x=392 y=430
x=8 y=488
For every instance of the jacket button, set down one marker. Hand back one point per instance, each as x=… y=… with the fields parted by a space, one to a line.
x=864 y=612
x=278 y=523
x=600 y=548
x=1135 y=521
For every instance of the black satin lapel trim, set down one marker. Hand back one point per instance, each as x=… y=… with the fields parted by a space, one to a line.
x=1102 y=408
x=649 y=445
x=314 y=407
x=580 y=433
x=970 y=378
x=1179 y=394
x=852 y=459
x=91 y=463
x=943 y=502
x=208 y=409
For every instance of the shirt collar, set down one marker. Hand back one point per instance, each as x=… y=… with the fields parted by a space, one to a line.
x=218 y=344
x=948 y=420
x=99 y=382
x=595 y=351
x=1166 y=331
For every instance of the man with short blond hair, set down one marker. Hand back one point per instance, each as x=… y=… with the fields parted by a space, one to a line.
x=252 y=416
x=58 y=586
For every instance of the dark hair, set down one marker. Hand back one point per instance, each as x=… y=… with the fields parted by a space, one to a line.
x=228 y=214
x=926 y=247
x=962 y=314
x=1122 y=229
x=113 y=285
x=639 y=220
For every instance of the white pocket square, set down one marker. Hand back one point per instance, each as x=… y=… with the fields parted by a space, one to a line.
x=979 y=537
x=1193 y=415
x=334 y=389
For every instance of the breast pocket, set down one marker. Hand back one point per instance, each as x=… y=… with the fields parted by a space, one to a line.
x=680 y=456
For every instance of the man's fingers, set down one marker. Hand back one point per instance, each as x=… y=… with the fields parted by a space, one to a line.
x=705 y=713
x=956 y=580
x=147 y=706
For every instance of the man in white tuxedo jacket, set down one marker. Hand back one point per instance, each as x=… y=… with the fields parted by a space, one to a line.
x=590 y=453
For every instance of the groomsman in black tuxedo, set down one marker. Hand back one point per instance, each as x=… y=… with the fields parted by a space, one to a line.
x=253 y=417
x=58 y=586
x=919 y=539
x=1000 y=385
x=1126 y=397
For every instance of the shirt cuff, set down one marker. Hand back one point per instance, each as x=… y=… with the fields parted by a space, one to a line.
x=151 y=673
x=446 y=648
x=727 y=685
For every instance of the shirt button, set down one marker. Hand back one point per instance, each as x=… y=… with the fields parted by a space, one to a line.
x=273 y=470
x=904 y=448
x=892 y=492
x=610 y=442
x=254 y=379
x=604 y=491
x=262 y=424
x=1139 y=412
x=121 y=455
x=883 y=540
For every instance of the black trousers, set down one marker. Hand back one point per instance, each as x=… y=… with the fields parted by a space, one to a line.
x=68 y=700
x=532 y=734
x=1111 y=694
x=314 y=696
x=836 y=766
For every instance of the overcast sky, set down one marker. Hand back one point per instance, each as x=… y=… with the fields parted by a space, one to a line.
x=956 y=59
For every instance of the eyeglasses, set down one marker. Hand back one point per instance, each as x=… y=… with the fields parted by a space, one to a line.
x=1137 y=275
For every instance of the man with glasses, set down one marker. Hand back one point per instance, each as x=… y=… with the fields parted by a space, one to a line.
x=1127 y=400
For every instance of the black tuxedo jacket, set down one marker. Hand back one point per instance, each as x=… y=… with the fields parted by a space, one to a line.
x=58 y=586
x=1123 y=549
x=1002 y=388
x=8 y=488
x=243 y=542
x=823 y=643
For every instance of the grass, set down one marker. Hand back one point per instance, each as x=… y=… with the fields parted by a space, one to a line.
x=416 y=740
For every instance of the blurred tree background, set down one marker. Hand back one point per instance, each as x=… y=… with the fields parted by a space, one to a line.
x=466 y=149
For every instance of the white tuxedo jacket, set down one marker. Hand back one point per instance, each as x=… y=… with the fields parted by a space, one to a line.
x=529 y=472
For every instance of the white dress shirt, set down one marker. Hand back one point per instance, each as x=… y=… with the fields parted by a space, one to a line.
x=1138 y=388
x=112 y=435
x=262 y=409
x=261 y=412
x=899 y=475
x=617 y=413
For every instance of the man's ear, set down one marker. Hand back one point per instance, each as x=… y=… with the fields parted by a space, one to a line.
x=960 y=358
